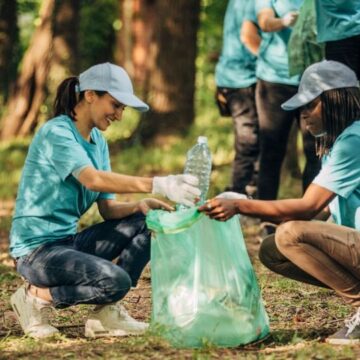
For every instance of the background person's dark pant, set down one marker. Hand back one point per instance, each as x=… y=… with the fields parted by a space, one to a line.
x=317 y=253
x=79 y=269
x=241 y=103
x=346 y=51
x=274 y=128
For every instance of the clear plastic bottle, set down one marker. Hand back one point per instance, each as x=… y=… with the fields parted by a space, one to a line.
x=198 y=163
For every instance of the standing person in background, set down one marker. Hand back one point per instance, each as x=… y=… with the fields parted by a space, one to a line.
x=338 y=25
x=67 y=169
x=236 y=82
x=275 y=17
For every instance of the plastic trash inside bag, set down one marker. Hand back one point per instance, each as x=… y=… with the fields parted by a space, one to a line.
x=204 y=289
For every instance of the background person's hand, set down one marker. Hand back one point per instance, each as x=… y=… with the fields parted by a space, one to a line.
x=219 y=209
x=178 y=188
x=147 y=204
x=290 y=18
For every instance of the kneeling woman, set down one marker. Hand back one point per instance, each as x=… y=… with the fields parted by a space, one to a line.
x=67 y=169
x=316 y=252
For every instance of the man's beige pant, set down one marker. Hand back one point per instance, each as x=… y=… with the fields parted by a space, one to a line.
x=318 y=253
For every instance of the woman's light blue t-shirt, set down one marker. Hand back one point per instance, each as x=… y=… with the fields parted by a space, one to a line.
x=272 y=64
x=340 y=173
x=50 y=200
x=337 y=19
x=236 y=66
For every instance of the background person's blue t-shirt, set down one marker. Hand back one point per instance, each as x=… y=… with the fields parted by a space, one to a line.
x=236 y=66
x=337 y=19
x=340 y=173
x=50 y=200
x=272 y=64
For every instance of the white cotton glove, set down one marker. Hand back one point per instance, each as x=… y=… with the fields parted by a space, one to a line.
x=231 y=195
x=290 y=18
x=178 y=188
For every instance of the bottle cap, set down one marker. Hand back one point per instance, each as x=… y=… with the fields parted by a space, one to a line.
x=202 y=140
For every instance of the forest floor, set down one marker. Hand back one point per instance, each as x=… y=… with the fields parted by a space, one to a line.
x=301 y=316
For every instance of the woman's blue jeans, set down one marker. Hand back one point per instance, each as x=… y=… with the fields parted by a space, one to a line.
x=79 y=268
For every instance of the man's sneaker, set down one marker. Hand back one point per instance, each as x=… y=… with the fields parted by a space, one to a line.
x=113 y=320
x=33 y=314
x=349 y=334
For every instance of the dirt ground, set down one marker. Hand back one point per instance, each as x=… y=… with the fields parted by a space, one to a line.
x=301 y=316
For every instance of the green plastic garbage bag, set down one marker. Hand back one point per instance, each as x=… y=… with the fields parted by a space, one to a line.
x=204 y=289
x=303 y=48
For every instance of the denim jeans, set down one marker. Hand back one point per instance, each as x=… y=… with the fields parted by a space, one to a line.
x=79 y=268
x=241 y=103
x=275 y=124
x=318 y=253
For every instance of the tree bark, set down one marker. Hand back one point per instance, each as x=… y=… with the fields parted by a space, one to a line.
x=143 y=24
x=29 y=90
x=8 y=39
x=172 y=70
x=65 y=54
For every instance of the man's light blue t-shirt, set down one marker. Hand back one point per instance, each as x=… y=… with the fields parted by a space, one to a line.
x=340 y=173
x=50 y=200
x=236 y=66
x=337 y=19
x=272 y=64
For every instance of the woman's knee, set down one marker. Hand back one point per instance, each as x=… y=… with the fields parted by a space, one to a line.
x=115 y=285
x=289 y=234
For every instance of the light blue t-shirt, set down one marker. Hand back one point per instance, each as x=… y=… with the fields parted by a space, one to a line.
x=272 y=64
x=236 y=66
x=50 y=200
x=337 y=19
x=340 y=173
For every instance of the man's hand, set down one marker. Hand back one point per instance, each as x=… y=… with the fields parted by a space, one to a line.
x=220 y=209
x=147 y=204
x=178 y=188
x=290 y=18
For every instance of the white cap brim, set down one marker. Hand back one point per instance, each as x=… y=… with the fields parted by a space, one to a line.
x=299 y=100
x=130 y=100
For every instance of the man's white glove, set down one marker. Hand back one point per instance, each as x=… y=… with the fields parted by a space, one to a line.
x=179 y=188
x=290 y=18
x=231 y=195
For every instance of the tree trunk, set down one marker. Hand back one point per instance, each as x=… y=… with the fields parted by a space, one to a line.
x=143 y=24
x=29 y=90
x=172 y=70
x=65 y=54
x=8 y=38
x=122 y=54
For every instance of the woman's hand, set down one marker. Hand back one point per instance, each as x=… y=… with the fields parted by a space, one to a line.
x=147 y=204
x=220 y=209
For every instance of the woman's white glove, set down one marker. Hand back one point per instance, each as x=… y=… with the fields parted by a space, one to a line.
x=231 y=195
x=178 y=188
x=290 y=18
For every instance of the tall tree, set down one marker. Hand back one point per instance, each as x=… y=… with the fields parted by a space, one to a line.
x=29 y=90
x=65 y=54
x=8 y=39
x=172 y=70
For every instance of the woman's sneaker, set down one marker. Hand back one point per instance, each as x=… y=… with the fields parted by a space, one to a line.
x=349 y=334
x=113 y=320
x=33 y=314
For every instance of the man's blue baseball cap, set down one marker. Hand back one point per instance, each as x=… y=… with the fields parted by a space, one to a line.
x=114 y=80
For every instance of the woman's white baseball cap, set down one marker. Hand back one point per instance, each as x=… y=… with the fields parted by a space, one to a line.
x=114 y=80
x=320 y=77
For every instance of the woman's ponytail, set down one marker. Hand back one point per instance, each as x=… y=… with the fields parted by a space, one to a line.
x=67 y=97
